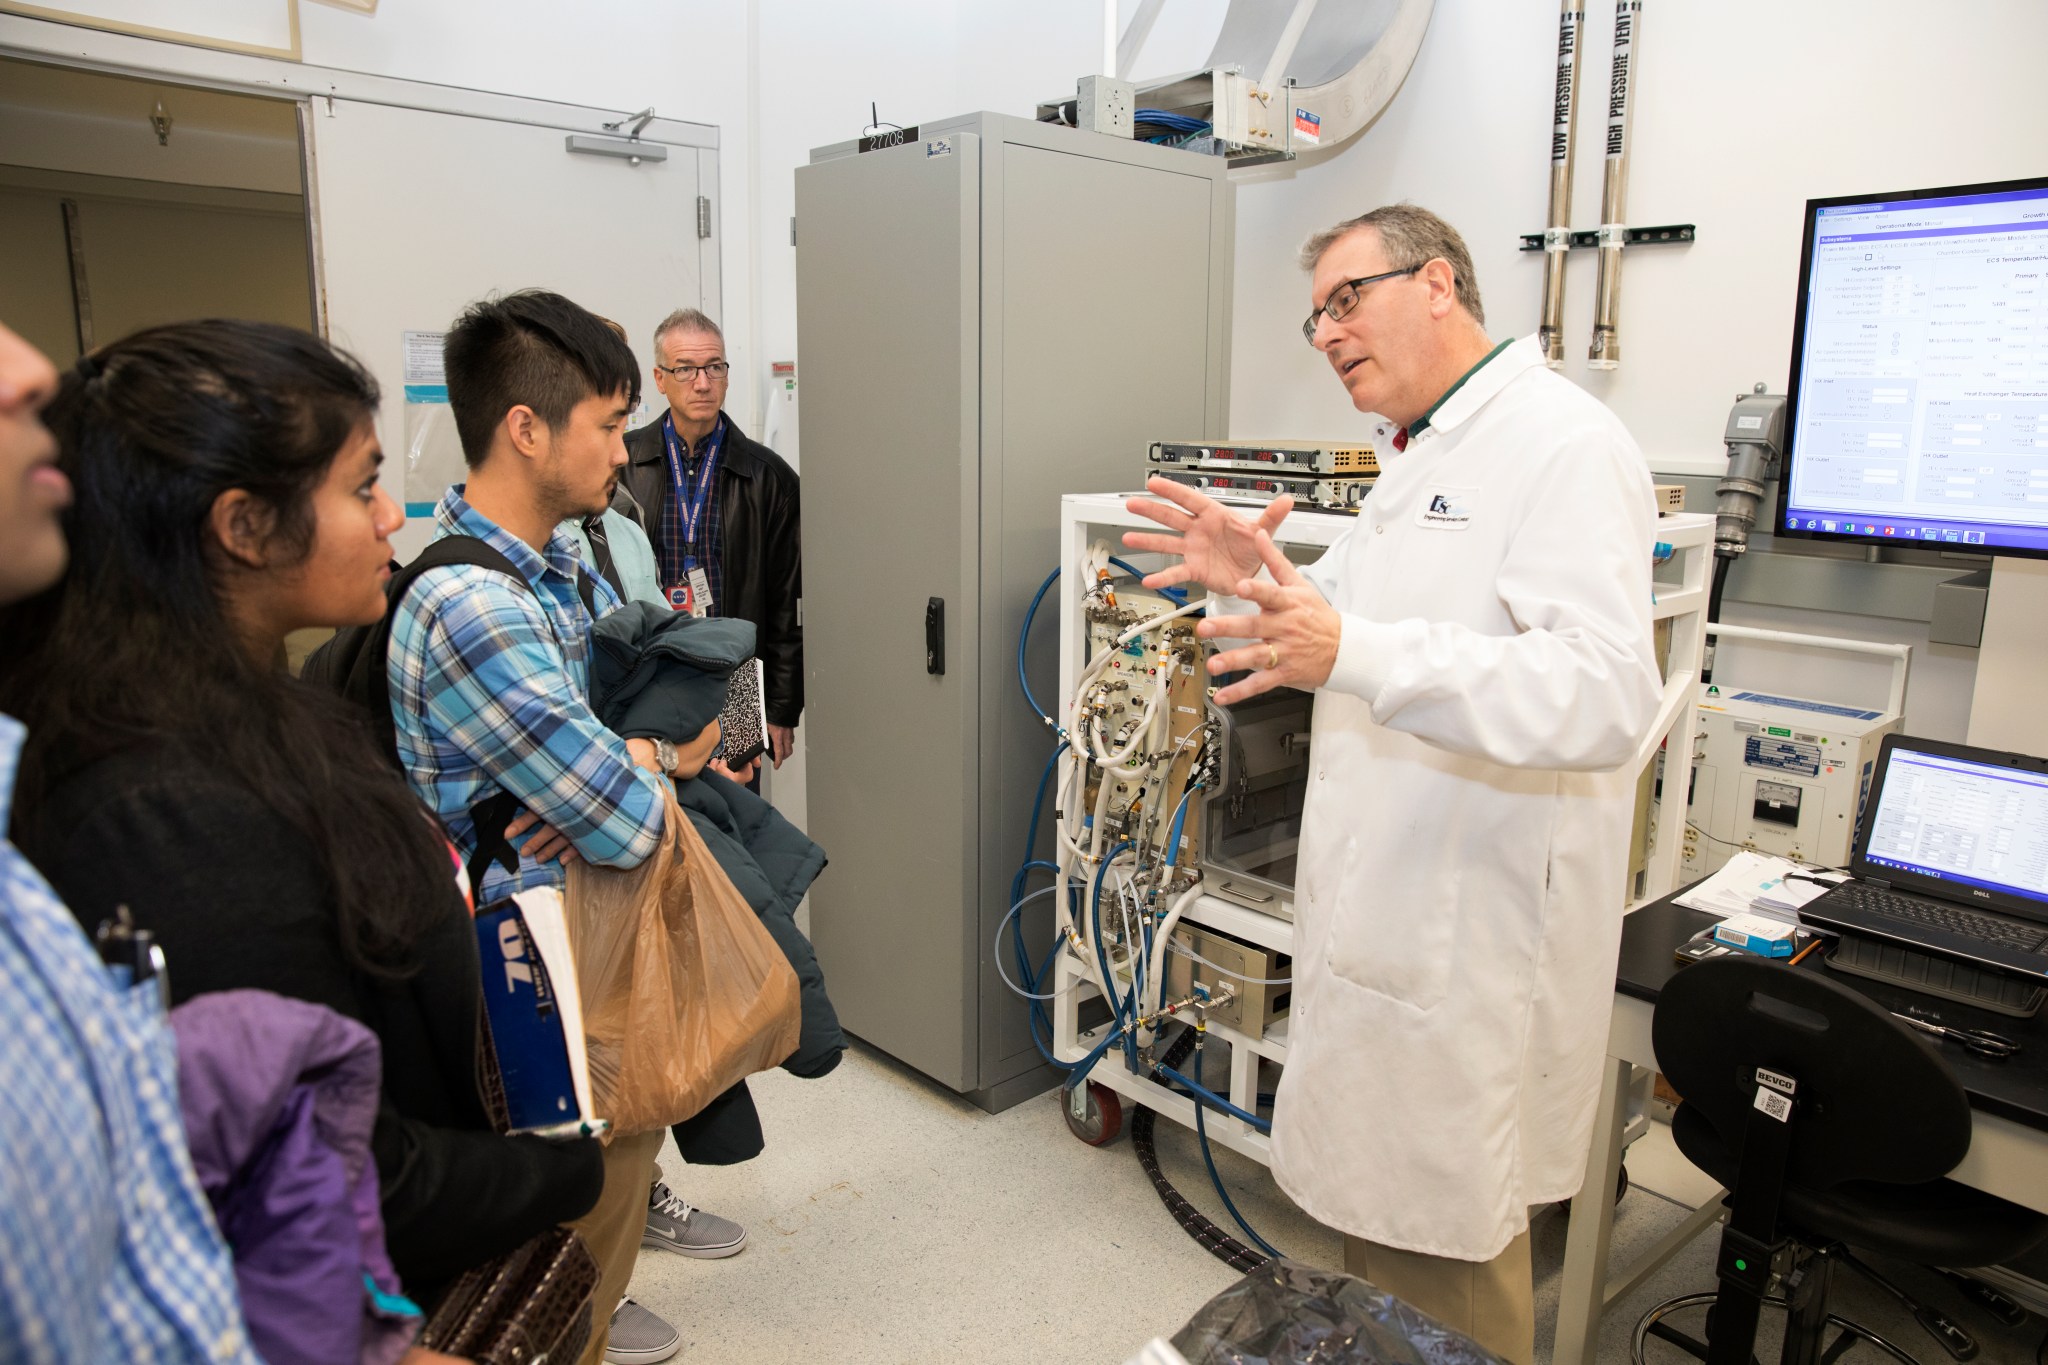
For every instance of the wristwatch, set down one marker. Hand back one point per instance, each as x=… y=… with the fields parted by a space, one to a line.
x=666 y=756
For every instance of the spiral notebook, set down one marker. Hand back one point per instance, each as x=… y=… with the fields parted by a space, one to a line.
x=743 y=725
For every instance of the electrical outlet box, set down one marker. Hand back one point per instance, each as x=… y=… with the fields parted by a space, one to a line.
x=1259 y=999
x=1104 y=104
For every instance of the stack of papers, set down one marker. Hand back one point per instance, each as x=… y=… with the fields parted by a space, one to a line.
x=1759 y=883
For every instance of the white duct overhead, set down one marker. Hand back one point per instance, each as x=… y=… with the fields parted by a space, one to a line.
x=1284 y=76
x=1345 y=57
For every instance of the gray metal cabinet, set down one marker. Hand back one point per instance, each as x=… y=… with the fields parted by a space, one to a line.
x=989 y=316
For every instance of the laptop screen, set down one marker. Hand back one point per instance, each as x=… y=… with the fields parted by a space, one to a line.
x=1956 y=820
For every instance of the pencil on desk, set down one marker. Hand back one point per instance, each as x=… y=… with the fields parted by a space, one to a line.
x=1801 y=954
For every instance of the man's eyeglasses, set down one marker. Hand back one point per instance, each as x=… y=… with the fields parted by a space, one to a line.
x=687 y=374
x=1344 y=298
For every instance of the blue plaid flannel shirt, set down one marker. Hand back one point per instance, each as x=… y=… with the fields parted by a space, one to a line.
x=490 y=690
x=108 y=1249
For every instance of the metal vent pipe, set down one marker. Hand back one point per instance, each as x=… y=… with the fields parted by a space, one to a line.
x=1605 y=353
x=1557 y=233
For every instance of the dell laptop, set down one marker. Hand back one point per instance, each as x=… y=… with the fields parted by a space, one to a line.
x=1951 y=857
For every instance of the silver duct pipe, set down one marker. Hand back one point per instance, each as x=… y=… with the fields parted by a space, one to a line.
x=1605 y=353
x=1346 y=59
x=1557 y=233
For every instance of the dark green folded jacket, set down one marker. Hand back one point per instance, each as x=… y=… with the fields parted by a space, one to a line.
x=657 y=673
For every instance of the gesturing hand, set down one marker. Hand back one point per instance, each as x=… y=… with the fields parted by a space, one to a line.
x=1296 y=630
x=1217 y=547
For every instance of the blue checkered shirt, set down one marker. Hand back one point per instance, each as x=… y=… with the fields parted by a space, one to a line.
x=709 y=547
x=108 y=1249
x=490 y=691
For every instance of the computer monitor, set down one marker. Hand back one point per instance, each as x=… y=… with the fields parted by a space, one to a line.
x=1918 y=406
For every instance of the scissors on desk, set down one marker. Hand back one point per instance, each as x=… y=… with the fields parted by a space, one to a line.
x=1981 y=1041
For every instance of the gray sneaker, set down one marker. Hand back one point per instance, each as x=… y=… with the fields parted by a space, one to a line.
x=673 y=1225
x=638 y=1337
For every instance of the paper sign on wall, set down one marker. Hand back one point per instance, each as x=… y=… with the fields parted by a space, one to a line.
x=433 y=452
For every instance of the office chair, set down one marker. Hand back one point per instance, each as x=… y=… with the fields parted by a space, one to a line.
x=1830 y=1123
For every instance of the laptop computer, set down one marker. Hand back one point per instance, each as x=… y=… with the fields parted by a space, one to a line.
x=1951 y=858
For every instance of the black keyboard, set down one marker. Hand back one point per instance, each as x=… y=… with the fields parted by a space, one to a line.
x=1952 y=919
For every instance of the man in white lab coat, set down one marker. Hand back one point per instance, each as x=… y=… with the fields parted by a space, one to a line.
x=1480 y=648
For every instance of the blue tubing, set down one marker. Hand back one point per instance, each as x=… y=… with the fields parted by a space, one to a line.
x=1216 y=1178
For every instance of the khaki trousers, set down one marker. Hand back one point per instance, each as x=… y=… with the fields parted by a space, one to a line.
x=1493 y=1302
x=612 y=1229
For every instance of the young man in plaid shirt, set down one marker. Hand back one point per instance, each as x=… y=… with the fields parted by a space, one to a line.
x=490 y=676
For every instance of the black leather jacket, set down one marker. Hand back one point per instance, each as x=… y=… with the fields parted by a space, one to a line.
x=761 y=559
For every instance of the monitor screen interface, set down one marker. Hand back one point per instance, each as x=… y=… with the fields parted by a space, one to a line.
x=1979 y=824
x=1918 y=409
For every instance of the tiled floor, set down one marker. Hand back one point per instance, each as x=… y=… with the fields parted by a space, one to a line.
x=893 y=1222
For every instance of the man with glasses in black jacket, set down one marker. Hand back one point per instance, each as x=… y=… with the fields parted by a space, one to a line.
x=722 y=513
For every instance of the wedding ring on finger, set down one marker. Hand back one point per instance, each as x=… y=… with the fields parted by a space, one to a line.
x=1272 y=656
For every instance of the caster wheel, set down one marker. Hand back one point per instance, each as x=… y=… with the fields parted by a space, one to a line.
x=1620 y=1189
x=1103 y=1121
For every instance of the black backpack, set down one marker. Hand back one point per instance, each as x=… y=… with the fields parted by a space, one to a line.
x=354 y=664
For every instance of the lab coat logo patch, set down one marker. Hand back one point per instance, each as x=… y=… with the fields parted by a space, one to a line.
x=1446 y=509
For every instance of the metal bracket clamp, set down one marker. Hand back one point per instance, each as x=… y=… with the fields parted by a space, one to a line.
x=1673 y=234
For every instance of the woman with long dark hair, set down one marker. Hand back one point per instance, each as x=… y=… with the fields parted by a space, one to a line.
x=227 y=495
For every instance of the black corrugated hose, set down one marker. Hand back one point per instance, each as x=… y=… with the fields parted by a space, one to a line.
x=1211 y=1238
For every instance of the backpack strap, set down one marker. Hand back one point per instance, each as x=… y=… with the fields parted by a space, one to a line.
x=370 y=679
x=490 y=816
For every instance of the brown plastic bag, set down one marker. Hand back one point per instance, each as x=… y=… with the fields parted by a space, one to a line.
x=684 y=992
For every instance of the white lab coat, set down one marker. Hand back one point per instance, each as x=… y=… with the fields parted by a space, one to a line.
x=1460 y=893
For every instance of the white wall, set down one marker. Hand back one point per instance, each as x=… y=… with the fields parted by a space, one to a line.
x=1746 y=109
x=819 y=62
x=687 y=58
x=819 y=65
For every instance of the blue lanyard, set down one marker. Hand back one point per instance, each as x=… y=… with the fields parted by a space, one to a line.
x=690 y=501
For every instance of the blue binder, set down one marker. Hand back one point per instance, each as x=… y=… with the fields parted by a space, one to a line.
x=529 y=989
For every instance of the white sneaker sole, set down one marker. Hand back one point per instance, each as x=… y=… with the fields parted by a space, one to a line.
x=650 y=1356
x=696 y=1253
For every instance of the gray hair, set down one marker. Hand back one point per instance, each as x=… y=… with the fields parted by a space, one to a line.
x=1410 y=236
x=686 y=320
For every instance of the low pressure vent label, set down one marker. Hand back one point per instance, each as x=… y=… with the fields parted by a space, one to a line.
x=1781 y=755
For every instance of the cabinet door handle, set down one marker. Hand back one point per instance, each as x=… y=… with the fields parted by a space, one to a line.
x=935 y=635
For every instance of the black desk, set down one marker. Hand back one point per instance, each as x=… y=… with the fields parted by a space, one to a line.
x=2016 y=1088
x=2008 y=1148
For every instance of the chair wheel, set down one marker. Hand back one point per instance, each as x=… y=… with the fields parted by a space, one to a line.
x=1620 y=1189
x=1103 y=1120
